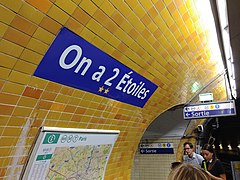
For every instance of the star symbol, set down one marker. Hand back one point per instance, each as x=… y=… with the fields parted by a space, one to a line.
x=101 y=89
x=106 y=91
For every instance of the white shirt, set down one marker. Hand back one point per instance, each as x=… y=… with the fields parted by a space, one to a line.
x=195 y=159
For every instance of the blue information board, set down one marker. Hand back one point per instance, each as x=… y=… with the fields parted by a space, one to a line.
x=213 y=109
x=156 y=148
x=72 y=61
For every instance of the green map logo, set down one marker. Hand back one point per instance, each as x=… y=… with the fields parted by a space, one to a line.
x=51 y=138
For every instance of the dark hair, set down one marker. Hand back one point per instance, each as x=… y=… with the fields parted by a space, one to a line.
x=175 y=164
x=190 y=144
x=209 y=148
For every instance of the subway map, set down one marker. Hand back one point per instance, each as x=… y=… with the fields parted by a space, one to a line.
x=79 y=163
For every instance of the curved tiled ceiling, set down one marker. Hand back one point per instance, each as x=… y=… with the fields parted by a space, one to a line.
x=165 y=41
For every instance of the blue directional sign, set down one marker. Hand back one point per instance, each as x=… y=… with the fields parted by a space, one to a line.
x=156 y=148
x=213 y=109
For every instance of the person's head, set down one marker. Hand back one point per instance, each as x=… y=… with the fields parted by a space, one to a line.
x=188 y=172
x=208 y=152
x=188 y=149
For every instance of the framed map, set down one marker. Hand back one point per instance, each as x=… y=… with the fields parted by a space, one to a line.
x=68 y=153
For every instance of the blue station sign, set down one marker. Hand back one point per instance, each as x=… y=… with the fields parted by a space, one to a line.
x=156 y=148
x=213 y=109
x=74 y=62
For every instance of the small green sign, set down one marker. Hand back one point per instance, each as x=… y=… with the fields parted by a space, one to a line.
x=51 y=138
x=44 y=157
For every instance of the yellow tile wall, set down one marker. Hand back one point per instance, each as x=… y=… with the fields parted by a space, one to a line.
x=162 y=40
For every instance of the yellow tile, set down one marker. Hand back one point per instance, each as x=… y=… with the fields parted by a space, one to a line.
x=94 y=26
x=82 y=17
x=105 y=34
x=50 y=25
x=161 y=24
x=110 y=26
x=8 y=98
x=133 y=19
x=37 y=46
x=139 y=11
x=24 y=25
x=15 y=132
x=27 y=102
x=10 y=48
x=53 y=115
x=3 y=121
x=44 y=36
x=13 y=88
x=66 y=5
x=114 y=41
x=3 y=29
x=87 y=35
x=4 y=162
x=167 y=17
x=98 y=42
x=62 y=124
x=5 y=151
x=19 y=77
x=167 y=2
x=22 y=111
x=62 y=98
x=7 y=61
x=108 y=8
x=140 y=27
x=108 y=49
x=74 y=25
x=13 y=5
x=184 y=31
x=43 y=5
x=152 y=27
x=78 y=1
x=4 y=72
x=126 y=26
x=176 y=15
x=25 y=67
x=58 y=15
x=66 y=116
x=38 y=82
x=146 y=4
x=31 y=56
x=124 y=9
x=57 y=106
x=131 y=3
x=30 y=13
x=88 y=6
x=16 y=36
x=17 y=121
x=182 y=9
x=190 y=25
x=6 y=15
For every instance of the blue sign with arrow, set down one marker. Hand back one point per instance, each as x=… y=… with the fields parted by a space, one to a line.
x=213 y=109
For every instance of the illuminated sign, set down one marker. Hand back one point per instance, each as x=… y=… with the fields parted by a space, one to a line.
x=72 y=61
x=213 y=109
x=156 y=148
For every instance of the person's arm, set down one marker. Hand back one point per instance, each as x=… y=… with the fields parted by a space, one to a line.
x=222 y=176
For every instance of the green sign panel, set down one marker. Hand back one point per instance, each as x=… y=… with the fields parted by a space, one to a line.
x=51 y=138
